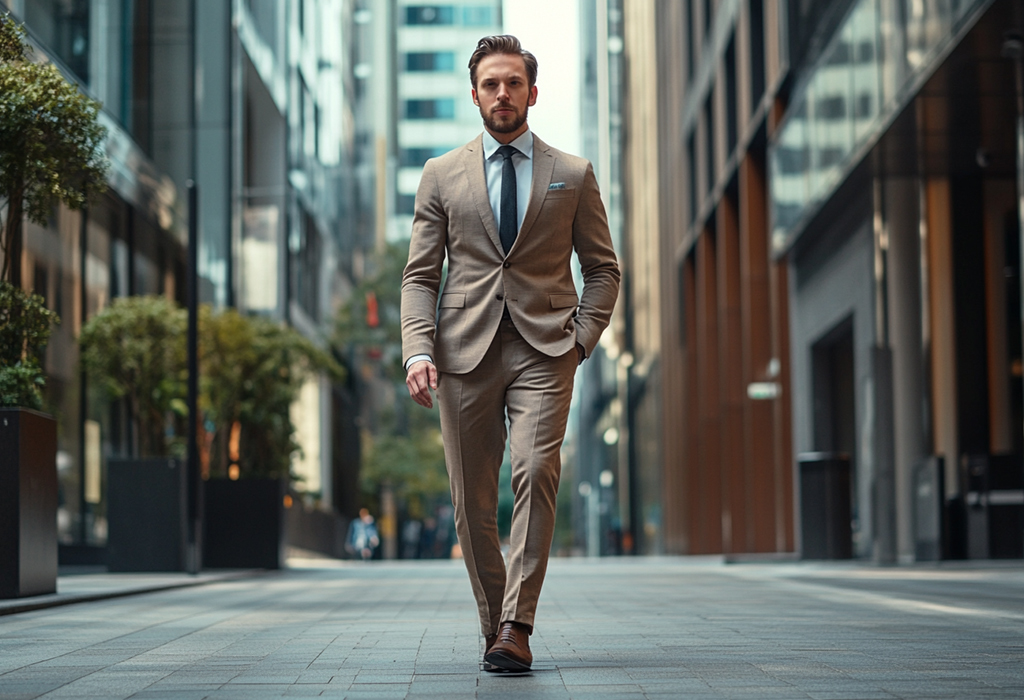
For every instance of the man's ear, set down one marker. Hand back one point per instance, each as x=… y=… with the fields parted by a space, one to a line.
x=533 y=96
x=472 y=91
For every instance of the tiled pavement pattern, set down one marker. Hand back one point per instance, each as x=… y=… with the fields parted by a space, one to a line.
x=608 y=629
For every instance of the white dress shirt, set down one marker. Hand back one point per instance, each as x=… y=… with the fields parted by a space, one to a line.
x=523 y=162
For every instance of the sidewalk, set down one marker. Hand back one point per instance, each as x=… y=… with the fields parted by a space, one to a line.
x=73 y=587
x=609 y=629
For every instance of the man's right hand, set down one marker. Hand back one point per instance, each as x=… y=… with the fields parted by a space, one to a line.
x=421 y=378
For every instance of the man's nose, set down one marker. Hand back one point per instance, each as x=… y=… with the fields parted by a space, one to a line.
x=503 y=93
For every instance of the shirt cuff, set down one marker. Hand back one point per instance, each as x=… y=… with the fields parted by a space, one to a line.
x=417 y=358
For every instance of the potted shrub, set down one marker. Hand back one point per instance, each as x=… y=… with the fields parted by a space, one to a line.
x=50 y=153
x=28 y=460
x=251 y=372
x=134 y=350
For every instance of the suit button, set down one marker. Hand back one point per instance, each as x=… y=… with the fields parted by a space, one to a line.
x=507 y=265
x=499 y=297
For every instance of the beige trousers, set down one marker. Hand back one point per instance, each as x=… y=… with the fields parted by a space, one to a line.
x=535 y=391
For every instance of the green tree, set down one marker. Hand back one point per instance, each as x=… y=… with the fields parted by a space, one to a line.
x=410 y=462
x=251 y=372
x=404 y=452
x=371 y=322
x=25 y=325
x=51 y=144
x=135 y=350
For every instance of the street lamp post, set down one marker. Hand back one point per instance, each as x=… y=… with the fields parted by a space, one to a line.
x=194 y=557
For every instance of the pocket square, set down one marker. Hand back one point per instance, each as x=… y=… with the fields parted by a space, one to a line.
x=556 y=186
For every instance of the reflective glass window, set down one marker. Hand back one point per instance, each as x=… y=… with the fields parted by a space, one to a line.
x=430 y=61
x=474 y=16
x=417 y=157
x=430 y=14
x=63 y=26
x=430 y=109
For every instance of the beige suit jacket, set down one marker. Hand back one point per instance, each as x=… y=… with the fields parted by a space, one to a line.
x=453 y=218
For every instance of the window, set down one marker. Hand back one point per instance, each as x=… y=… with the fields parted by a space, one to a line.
x=407 y=204
x=430 y=109
x=731 y=106
x=709 y=146
x=305 y=263
x=791 y=161
x=691 y=162
x=468 y=16
x=430 y=14
x=426 y=62
x=829 y=157
x=477 y=16
x=757 y=71
x=691 y=39
x=832 y=107
x=416 y=157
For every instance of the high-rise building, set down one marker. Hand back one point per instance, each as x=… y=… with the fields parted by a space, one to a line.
x=823 y=234
x=256 y=103
x=605 y=517
x=434 y=111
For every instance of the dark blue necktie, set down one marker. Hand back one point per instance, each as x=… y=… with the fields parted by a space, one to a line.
x=509 y=209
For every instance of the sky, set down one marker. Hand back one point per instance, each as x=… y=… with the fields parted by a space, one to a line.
x=550 y=30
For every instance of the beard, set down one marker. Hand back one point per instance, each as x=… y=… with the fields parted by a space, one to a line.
x=505 y=124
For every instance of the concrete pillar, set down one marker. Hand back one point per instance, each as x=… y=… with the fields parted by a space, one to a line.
x=902 y=222
x=708 y=483
x=737 y=535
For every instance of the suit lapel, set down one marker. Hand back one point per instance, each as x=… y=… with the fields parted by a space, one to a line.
x=543 y=167
x=473 y=162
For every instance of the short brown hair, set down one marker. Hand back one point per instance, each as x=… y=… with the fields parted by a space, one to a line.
x=502 y=44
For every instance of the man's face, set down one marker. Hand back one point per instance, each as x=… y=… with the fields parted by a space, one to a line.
x=503 y=95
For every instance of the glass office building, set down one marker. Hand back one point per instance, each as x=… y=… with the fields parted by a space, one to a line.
x=251 y=101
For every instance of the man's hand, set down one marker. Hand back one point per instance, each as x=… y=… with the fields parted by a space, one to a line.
x=421 y=378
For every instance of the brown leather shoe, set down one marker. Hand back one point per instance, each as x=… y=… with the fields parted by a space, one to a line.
x=511 y=652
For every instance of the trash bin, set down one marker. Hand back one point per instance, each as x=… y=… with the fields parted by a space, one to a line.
x=825 y=505
x=994 y=500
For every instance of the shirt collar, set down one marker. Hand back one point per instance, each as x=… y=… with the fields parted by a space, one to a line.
x=524 y=144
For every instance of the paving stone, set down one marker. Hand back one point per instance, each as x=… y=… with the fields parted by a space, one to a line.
x=655 y=628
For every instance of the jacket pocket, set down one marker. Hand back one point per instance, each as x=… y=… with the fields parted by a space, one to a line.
x=561 y=194
x=453 y=300
x=563 y=301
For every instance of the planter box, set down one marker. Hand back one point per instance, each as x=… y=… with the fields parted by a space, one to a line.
x=28 y=503
x=146 y=514
x=243 y=524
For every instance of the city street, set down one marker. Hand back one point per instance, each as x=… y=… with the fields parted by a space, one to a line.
x=610 y=629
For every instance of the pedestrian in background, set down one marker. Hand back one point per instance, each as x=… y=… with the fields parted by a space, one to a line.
x=362 y=536
x=506 y=333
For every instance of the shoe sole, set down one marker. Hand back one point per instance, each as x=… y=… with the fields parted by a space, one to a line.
x=502 y=662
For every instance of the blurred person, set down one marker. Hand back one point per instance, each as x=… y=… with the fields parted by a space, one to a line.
x=506 y=333
x=362 y=536
x=428 y=535
x=411 y=539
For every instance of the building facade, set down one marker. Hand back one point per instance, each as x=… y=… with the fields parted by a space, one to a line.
x=254 y=102
x=707 y=305
x=605 y=516
x=822 y=227
x=894 y=191
x=433 y=111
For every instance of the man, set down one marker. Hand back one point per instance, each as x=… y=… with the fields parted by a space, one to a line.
x=508 y=331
